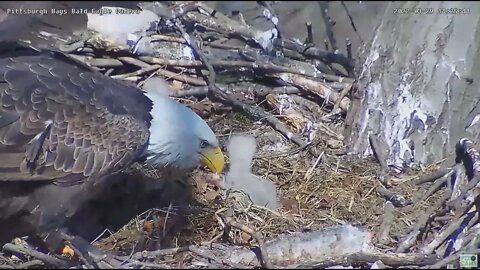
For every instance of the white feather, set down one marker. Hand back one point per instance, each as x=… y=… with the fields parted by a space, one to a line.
x=263 y=192
x=157 y=85
x=176 y=133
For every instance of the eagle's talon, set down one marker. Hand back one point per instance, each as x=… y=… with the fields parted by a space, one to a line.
x=67 y=251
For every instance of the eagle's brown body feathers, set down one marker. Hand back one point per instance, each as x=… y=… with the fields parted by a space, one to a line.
x=62 y=121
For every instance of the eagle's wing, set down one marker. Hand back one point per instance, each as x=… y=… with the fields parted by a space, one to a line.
x=61 y=120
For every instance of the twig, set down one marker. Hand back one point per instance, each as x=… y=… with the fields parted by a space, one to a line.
x=348 y=44
x=318 y=53
x=383 y=233
x=315 y=87
x=152 y=254
x=168 y=39
x=351 y=21
x=432 y=176
x=328 y=24
x=434 y=188
x=221 y=261
x=378 y=151
x=33 y=253
x=397 y=200
x=309 y=38
x=342 y=94
x=31 y=264
x=147 y=68
x=258 y=90
x=140 y=265
x=391 y=259
x=265 y=260
x=455 y=204
x=139 y=72
x=103 y=62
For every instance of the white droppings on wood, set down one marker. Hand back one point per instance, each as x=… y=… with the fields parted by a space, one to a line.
x=266 y=38
x=188 y=53
x=275 y=20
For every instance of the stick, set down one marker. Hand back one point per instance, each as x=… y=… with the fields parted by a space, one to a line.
x=434 y=188
x=309 y=38
x=432 y=176
x=33 y=253
x=258 y=90
x=383 y=233
x=328 y=24
x=349 y=48
x=265 y=260
x=342 y=94
x=146 y=68
x=351 y=21
x=315 y=52
x=397 y=200
x=314 y=87
x=391 y=259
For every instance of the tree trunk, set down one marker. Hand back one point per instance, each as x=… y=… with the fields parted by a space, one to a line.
x=418 y=84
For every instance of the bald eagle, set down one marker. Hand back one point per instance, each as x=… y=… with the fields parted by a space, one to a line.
x=64 y=127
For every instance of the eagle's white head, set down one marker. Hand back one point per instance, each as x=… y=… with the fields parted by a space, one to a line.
x=179 y=137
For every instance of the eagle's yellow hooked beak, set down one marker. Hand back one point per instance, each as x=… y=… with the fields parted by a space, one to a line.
x=213 y=158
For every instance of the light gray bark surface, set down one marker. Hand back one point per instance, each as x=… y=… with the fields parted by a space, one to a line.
x=415 y=84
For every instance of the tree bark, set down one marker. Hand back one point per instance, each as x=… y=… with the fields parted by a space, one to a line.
x=418 y=86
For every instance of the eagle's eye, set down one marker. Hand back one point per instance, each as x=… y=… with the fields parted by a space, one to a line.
x=203 y=143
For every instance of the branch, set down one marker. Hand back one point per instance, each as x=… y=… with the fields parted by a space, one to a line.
x=328 y=24
x=314 y=87
x=35 y=254
x=383 y=233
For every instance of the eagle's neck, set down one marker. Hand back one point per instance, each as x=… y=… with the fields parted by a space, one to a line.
x=171 y=144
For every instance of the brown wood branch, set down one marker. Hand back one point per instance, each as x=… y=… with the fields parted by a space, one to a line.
x=152 y=254
x=397 y=200
x=35 y=254
x=432 y=176
x=342 y=94
x=390 y=259
x=157 y=37
x=316 y=53
x=437 y=185
x=315 y=87
x=258 y=90
x=212 y=257
x=147 y=68
x=328 y=24
x=265 y=261
x=388 y=217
